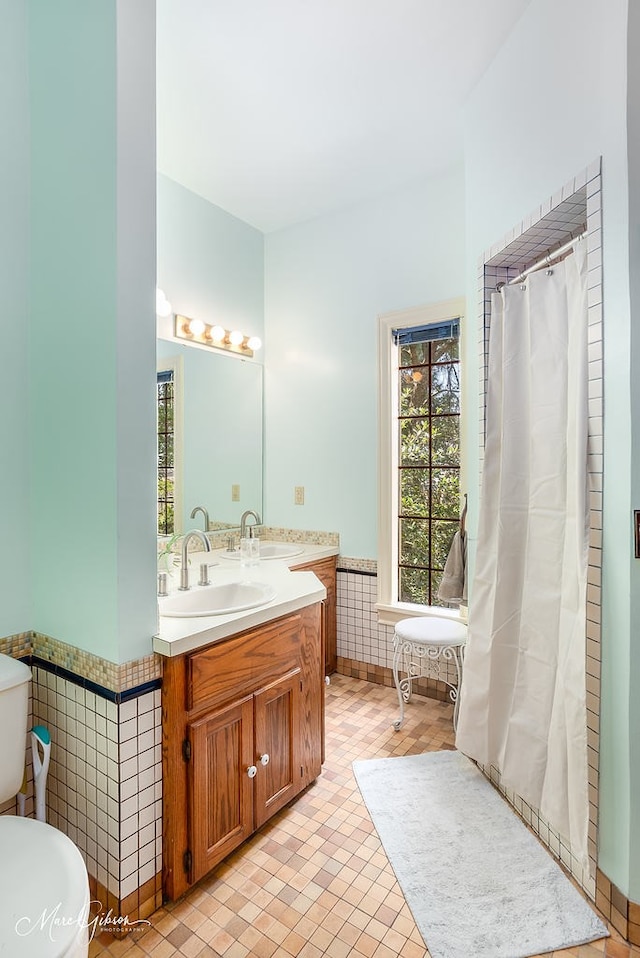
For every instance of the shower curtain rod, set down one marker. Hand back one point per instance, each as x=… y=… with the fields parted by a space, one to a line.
x=547 y=260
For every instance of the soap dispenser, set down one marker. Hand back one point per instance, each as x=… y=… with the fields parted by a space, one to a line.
x=250 y=550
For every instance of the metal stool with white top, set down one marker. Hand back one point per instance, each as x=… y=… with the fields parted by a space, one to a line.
x=424 y=645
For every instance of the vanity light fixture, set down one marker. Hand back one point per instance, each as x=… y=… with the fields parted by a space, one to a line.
x=163 y=306
x=196 y=331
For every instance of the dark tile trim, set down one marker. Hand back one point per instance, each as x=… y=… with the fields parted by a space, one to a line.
x=116 y=697
x=372 y=575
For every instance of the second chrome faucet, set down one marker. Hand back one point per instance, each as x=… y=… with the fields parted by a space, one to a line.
x=184 y=567
x=243 y=521
x=205 y=516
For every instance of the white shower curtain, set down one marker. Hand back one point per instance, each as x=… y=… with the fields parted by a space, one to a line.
x=523 y=698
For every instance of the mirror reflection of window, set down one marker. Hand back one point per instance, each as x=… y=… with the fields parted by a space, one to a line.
x=217 y=423
x=166 y=452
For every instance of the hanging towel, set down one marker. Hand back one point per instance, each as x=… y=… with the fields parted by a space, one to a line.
x=453 y=586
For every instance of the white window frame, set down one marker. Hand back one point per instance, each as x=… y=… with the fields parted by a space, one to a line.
x=390 y=610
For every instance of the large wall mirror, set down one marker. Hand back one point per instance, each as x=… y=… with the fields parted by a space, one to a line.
x=218 y=434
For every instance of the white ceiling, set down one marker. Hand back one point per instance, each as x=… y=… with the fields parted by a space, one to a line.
x=281 y=110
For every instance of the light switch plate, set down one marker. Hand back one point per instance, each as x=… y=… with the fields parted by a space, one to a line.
x=235 y=493
x=298 y=495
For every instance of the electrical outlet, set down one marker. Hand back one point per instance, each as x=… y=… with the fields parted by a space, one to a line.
x=298 y=495
x=235 y=493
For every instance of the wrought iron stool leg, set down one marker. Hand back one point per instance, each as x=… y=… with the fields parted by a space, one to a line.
x=458 y=656
x=397 y=651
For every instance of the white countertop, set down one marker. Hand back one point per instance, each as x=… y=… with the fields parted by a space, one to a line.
x=294 y=591
x=309 y=553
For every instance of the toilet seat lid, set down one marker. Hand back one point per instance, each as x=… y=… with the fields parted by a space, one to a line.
x=44 y=890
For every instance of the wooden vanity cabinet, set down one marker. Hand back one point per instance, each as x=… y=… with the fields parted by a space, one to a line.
x=325 y=569
x=242 y=736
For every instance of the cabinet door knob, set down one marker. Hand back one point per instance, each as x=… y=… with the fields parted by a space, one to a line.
x=264 y=759
x=252 y=771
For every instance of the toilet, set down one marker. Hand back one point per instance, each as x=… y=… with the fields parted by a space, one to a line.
x=44 y=887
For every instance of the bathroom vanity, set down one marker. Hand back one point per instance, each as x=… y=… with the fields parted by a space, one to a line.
x=243 y=716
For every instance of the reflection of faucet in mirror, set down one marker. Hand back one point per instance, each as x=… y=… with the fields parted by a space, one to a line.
x=184 y=568
x=205 y=515
x=243 y=521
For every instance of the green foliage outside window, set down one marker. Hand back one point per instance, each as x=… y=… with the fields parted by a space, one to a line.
x=429 y=465
x=165 y=458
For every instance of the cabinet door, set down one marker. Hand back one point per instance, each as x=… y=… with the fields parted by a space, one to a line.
x=277 y=744
x=220 y=784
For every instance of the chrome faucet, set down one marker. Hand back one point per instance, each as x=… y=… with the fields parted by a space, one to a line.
x=184 y=568
x=204 y=513
x=243 y=521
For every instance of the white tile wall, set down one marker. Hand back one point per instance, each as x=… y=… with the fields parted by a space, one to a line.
x=360 y=636
x=104 y=787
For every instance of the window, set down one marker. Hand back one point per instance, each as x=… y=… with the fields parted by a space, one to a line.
x=428 y=431
x=419 y=457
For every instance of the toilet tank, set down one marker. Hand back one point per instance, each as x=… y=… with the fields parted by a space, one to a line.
x=14 y=713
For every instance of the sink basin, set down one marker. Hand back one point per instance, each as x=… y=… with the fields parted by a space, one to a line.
x=272 y=550
x=217 y=599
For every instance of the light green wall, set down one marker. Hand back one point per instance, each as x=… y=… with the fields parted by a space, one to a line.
x=135 y=373
x=73 y=304
x=92 y=293
x=210 y=263
x=14 y=186
x=326 y=283
x=552 y=101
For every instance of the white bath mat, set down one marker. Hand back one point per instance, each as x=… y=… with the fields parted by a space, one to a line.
x=478 y=883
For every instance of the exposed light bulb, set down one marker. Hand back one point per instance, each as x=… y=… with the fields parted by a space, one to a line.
x=163 y=306
x=196 y=327
x=197 y=332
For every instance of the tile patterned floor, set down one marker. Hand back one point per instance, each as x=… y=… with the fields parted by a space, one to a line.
x=315 y=881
